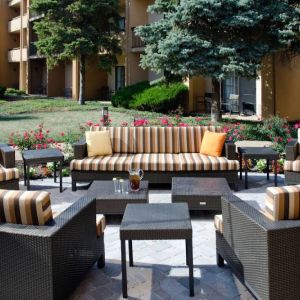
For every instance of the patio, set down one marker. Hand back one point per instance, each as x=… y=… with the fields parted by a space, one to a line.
x=160 y=271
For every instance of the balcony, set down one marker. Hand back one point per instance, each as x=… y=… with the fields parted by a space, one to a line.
x=137 y=45
x=17 y=55
x=14 y=3
x=15 y=25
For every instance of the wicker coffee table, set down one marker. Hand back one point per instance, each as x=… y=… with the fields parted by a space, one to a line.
x=110 y=203
x=156 y=222
x=200 y=193
x=257 y=153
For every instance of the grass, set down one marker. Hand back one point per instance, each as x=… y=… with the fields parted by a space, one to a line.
x=57 y=115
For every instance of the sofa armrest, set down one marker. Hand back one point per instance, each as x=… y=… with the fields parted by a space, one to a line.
x=80 y=149
x=291 y=150
x=7 y=156
x=230 y=151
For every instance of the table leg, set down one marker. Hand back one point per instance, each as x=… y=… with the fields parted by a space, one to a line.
x=60 y=176
x=275 y=171
x=189 y=244
x=130 y=253
x=28 y=176
x=186 y=252
x=241 y=167
x=268 y=169
x=25 y=174
x=246 y=173
x=124 y=273
x=54 y=172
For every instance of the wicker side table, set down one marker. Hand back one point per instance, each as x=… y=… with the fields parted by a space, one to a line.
x=200 y=193
x=156 y=222
x=35 y=157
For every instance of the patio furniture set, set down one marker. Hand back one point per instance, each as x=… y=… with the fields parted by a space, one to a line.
x=261 y=246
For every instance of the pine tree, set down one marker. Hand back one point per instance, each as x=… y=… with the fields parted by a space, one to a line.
x=73 y=29
x=219 y=38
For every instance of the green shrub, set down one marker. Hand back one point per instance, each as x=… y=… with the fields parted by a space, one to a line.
x=124 y=96
x=2 y=91
x=160 y=98
x=12 y=91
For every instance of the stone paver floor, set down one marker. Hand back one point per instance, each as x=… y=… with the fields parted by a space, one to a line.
x=160 y=271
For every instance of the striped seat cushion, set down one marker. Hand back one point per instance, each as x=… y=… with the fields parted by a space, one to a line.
x=218 y=221
x=190 y=138
x=27 y=208
x=122 y=138
x=100 y=224
x=201 y=162
x=115 y=162
x=8 y=174
x=292 y=165
x=283 y=203
x=156 y=162
x=157 y=139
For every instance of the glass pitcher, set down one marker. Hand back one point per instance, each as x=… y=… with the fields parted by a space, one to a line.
x=135 y=177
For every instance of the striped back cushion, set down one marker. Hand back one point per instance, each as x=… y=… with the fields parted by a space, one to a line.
x=122 y=138
x=27 y=208
x=283 y=203
x=157 y=139
x=190 y=138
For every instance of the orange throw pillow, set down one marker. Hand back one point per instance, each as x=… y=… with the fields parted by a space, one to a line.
x=213 y=143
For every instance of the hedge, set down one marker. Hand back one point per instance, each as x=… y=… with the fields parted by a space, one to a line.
x=2 y=91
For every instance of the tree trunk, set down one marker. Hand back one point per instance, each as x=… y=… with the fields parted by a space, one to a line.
x=81 y=99
x=216 y=114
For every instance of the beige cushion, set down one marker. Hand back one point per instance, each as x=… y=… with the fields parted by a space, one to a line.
x=8 y=174
x=283 y=203
x=292 y=165
x=100 y=224
x=27 y=208
x=218 y=221
x=98 y=143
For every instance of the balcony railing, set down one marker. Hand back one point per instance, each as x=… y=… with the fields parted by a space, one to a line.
x=16 y=23
x=17 y=55
x=136 y=40
x=14 y=2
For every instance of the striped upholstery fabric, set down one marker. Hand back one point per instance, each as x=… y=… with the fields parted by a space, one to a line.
x=156 y=162
x=27 y=208
x=292 y=165
x=218 y=221
x=8 y=174
x=122 y=138
x=157 y=140
x=201 y=162
x=283 y=203
x=100 y=224
x=190 y=138
x=115 y=162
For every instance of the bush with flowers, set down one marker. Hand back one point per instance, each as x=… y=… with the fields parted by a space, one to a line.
x=38 y=138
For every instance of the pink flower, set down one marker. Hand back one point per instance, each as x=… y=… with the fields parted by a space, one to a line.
x=62 y=134
x=230 y=138
x=183 y=125
x=198 y=119
x=39 y=146
x=164 y=121
x=124 y=124
x=89 y=123
x=289 y=140
x=45 y=146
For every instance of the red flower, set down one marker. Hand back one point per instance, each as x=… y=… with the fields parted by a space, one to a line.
x=62 y=134
x=39 y=146
x=89 y=123
x=183 y=125
x=45 y=146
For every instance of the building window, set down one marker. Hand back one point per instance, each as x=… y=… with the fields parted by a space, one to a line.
x=120 y=77
x=121 y=24
x=239 y=95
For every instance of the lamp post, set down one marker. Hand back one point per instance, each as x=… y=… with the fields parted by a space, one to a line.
x=105 y=115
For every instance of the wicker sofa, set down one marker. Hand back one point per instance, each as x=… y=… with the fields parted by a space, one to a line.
x=9 y=175
x=47 y=262
x=264 y=254
x=292 y=163
x=162 y=152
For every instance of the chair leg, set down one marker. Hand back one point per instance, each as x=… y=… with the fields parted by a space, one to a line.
x=74 y=189
x=101 y=262
x=220 y=260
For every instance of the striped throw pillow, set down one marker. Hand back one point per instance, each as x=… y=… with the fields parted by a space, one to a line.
x=283 y=203
x=27 y=208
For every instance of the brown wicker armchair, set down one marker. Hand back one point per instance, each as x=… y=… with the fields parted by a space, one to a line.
x=263 y=254
x=9 y=175
x=292 y=164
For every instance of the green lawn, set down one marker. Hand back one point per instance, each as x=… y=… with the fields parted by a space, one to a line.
x=57 y=115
